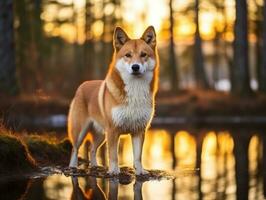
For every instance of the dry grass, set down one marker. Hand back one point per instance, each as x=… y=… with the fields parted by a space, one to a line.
x=14 y=155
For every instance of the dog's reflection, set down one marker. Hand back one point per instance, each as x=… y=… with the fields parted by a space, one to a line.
x=113 y=190
x=138 y=190
x=93 y=190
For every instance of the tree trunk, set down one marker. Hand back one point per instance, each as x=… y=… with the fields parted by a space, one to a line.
x=241 y=144
x=172 y=58
x=218 y=43
x=264 y=163
x=241 y=80
x=262 y=67
x=89 y=45
x=199 y=70
x=38 y=41
x=26 y=74
x=7 y=52
x=216 y=59
x=227 y=45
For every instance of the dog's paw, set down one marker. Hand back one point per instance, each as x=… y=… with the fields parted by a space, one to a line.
x=94 y=165
x=73 y=165
x=141 y=171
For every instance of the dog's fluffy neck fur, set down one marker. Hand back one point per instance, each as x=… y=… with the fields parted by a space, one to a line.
x=128 y=88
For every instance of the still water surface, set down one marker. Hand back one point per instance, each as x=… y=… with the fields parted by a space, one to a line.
x=208 y=164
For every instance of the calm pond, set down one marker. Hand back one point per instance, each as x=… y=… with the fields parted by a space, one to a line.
x=207 y=164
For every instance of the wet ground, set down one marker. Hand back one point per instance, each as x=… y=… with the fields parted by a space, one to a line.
x=63 y=183
x=199 y=163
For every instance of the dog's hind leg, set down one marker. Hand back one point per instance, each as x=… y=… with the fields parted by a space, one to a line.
x=76 y=145
x=98 y=140
x=87 y=145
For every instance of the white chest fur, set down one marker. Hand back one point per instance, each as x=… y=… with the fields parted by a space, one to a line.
x=135 y=113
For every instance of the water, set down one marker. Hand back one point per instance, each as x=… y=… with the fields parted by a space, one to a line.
x=208 y=164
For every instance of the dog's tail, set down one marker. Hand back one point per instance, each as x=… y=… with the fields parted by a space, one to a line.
x=76 y=119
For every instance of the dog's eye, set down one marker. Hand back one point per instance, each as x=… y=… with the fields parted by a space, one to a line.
x=128 y=55
x=143 y=54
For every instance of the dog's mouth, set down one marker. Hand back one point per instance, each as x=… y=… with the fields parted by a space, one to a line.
x=136 y=73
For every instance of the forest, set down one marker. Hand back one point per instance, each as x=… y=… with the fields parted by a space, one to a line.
x=49 y=47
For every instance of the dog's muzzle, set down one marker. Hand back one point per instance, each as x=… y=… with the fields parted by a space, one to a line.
x=135 y=69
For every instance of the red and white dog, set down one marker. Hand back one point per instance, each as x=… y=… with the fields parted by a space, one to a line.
x=122 y=103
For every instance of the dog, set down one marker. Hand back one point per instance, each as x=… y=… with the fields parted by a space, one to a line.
x=122 y=103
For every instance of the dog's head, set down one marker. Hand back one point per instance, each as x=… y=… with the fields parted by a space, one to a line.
x=135 y=57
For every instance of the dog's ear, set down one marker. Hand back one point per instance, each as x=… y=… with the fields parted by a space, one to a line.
x=149 y=36
x=120 y=38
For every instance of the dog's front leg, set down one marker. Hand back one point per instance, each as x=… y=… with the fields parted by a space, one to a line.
x=137 y=143
x=112 y=144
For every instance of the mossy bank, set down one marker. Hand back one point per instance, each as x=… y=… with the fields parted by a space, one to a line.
x=22 y=154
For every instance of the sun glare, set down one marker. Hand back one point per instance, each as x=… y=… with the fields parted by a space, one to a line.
x=139 y=14
x=225 y=143
x=208 y=156
x=97 y=29
x=207 y=25
x=185 y=149
x=157 y=154
x=253 y=153
x=185 y=29
x=209 y=146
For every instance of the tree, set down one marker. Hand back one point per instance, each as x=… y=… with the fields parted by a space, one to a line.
x=38 y=40
x=26 y=73
x=199 y=70
x=7 y=52
x=262 y=66
x=218 y=42
x=109 y=22
x=172 y=58
x=241 y=80
x=89 y=45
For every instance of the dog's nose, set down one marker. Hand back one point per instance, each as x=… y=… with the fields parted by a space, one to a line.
x=135 y=68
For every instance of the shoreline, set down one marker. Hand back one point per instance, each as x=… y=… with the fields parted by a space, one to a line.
x=187 y=107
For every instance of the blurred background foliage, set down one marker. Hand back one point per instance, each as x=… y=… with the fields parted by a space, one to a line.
x=217 y=45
